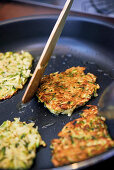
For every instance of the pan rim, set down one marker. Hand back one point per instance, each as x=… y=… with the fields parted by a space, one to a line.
x=98 y=158
x=50 y=16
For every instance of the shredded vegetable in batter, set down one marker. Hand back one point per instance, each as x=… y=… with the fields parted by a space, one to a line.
x=18 y=143
x=15 y=68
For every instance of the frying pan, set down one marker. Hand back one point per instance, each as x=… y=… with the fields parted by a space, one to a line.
x=84 y=42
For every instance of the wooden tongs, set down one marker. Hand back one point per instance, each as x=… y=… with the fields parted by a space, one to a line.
x=47 y=52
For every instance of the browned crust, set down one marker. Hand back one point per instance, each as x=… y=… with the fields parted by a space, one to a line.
x=67 y=90
x=81 y=139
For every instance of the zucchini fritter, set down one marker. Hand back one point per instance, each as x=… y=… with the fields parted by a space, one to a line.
x=81 y=139
x=18 y=143
x=65 y=91
x=14 y=71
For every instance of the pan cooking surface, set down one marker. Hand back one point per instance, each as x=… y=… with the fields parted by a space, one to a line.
x=84 y=42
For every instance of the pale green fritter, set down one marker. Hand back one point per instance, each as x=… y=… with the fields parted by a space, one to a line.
x=15 y=68
x=18 y=143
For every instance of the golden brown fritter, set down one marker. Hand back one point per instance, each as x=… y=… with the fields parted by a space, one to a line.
x=65 y=91
x=81 y=139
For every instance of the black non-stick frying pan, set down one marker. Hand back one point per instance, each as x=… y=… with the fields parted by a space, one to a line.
x=84 y=42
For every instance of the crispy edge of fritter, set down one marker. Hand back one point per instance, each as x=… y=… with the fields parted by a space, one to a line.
x=9 y=96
